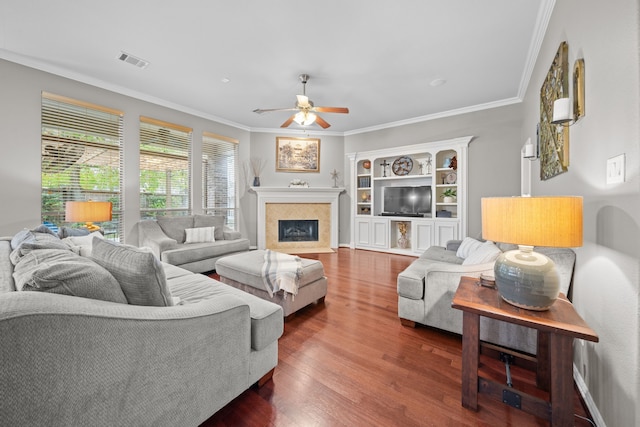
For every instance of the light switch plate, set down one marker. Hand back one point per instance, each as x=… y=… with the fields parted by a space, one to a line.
x=615 y=169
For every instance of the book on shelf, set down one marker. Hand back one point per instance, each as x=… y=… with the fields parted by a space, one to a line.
x=364 y=182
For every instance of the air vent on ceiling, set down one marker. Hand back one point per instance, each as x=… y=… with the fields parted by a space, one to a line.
x=130 y=59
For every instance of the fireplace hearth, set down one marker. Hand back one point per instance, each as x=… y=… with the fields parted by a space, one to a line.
x=298 y=230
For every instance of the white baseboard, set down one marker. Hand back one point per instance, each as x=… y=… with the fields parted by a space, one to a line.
x=588 y=400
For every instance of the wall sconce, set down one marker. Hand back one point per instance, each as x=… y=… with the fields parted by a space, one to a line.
x=565 y=112
x=529 y=150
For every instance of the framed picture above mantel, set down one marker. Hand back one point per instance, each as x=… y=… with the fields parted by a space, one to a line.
x=297 y=154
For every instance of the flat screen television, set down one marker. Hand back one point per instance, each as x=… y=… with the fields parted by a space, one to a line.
x=406 y=201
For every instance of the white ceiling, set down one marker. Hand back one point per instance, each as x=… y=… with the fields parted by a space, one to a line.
x=376 y=57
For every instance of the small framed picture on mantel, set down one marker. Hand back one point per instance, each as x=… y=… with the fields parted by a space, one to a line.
x=297 y=154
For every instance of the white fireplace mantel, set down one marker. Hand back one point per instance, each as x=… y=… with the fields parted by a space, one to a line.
x=328 y=195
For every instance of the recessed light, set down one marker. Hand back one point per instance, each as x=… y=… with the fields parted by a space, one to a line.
x=437 y=82
x=225 y=80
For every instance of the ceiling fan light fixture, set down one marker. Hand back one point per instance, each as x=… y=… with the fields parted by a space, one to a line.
x=304 y=118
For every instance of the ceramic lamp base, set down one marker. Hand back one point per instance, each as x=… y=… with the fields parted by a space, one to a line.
x=527 y=279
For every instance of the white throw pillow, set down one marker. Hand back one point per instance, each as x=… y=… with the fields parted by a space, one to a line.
x=200 y=235
x=467 y=247
x=486 y=252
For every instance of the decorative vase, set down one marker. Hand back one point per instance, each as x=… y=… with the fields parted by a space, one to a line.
x=256 y=181
x=403 y=242
x=448 y=199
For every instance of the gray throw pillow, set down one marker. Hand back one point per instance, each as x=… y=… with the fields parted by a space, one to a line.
x=60 y=271
x=211 y=221
x=68 y=232
x=139 y=272
x=174 y=226
x=26 y=247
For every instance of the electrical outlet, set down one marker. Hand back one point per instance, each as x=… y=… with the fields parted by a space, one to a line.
x=615 y=169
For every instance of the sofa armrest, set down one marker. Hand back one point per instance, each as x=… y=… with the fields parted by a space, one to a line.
x=151 y=235
x=73 y=360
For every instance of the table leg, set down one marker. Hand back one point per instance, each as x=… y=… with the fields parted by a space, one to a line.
x=470 y=358
x=561 y=390
x=543 y=374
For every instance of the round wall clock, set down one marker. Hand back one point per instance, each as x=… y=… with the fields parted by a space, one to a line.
x=402 y=165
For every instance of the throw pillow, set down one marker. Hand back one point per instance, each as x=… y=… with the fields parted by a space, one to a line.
x=60 y=271
x=200 y=235
x=468 y=245
x=216 y=221
x=25 y=247
x=174 y=226
x=486 y=252
x=139 y=272
x=68 y=232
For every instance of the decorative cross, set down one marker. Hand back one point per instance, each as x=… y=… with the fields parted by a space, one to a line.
x=384 y=168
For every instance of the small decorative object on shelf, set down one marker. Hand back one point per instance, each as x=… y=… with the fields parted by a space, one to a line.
x=364 y=197
x=447 y=162
x=454 y=163
x=449 y=195
x=256 y=167
x=298 y=183
x=402 y=165
x=256 y=181
x=384 y=165
x=403 y=242
x=366 y=164
x=334 y=176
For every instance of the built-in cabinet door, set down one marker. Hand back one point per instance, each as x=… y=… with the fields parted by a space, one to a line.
x=363 y=232
x=380 y=228
x=445 y=231
x=422 y=235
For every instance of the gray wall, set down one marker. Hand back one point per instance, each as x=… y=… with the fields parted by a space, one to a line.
x=20 y=104
x=606 y=285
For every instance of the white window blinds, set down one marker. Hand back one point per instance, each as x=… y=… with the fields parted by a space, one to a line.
x=219 y=176
x=81 y=159
x=165 y=153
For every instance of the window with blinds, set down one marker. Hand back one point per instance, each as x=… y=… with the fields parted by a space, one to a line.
x=165 y=159
x=219 y=169
x=81 y=159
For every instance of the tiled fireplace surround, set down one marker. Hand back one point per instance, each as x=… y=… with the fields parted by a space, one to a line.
x=278 y=203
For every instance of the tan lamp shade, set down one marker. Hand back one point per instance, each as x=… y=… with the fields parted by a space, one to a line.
x=533 y=221
x=87 y=211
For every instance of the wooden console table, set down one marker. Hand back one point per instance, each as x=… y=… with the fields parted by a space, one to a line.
x=557 y=327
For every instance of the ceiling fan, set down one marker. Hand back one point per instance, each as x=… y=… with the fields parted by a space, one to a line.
x=306 y=111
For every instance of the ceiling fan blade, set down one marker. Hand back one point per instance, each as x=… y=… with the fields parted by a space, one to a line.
x=322 y=122
x=343 y=110
x=303 y=101
x=261 y=110
x=287 y=122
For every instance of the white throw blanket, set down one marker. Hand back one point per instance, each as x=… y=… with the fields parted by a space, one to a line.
x=281 y=272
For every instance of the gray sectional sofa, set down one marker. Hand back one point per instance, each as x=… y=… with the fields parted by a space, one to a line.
x=426 y=289
x=167 y=238
x=71 y=355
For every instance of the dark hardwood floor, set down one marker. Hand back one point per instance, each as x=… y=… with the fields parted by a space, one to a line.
x=349 y=362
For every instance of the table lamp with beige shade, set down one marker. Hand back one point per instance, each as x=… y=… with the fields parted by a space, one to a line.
x=88 y=212
x=526 y=278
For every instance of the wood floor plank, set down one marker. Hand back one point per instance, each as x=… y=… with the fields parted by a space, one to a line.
x=349 y=362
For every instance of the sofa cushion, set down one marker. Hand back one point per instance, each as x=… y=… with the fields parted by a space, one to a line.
x=61 y=271
x=266 y=317
x=200 y=235
x=439 y=253
x=174 y=226
x=138 y=271
x=28 y=246
x=188 y=253
x=64 y=232
x=485 y=252
x=211 y=221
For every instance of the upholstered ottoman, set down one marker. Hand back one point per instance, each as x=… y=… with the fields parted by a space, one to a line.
x=244 y=271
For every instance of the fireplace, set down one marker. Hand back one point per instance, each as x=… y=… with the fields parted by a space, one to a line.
x=298 y=230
